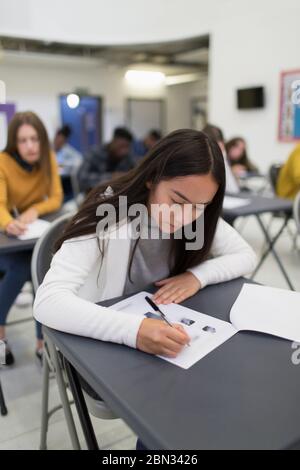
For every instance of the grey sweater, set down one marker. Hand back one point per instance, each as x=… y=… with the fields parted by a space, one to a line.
x=151 y=260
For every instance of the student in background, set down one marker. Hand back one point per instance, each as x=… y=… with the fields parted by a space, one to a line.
x=111 y=160
x=68 y=159
x=237 y=156
x=66 y=155
x=185 y=169
x=29 y=187
x=141 y=147
x=288 y=184
x=216 y=133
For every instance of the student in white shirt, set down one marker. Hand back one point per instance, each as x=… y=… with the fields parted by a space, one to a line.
x=92 y=264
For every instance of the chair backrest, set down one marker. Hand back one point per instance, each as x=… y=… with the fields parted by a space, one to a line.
x=297 y=211
x=274 y=171
x=43 y=250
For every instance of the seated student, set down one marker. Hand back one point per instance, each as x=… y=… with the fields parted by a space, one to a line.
x=141 y=147
x=185 y=171
x=216 y=133
x=111 y=160
x=29 y=187
x=238 y=158
x=288 y=184
x=66 y=155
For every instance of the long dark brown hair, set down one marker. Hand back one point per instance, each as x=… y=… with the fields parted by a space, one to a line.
x=244 y=159
x=182 y=153
x=33 y=120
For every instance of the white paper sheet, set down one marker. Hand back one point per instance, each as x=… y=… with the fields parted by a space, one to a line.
x=35 y=229
x=233 y=202
x=195 y=323
x=268 y=310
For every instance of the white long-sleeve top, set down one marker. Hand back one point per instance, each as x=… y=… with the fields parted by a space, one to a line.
x=81 y=274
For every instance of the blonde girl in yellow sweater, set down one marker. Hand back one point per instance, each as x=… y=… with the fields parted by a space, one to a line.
x=30 y=187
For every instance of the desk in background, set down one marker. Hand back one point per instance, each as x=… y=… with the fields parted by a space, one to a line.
x=258 y=206
x=13 y=244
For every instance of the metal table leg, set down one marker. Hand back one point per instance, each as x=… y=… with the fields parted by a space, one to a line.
x=81 y=407
x=270 y=249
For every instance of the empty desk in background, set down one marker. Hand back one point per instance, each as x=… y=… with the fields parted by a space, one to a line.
x=13 y=244
x=243 y=395
x=257 y=206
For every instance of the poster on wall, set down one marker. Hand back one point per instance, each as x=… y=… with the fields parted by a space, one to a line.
x=289 y=114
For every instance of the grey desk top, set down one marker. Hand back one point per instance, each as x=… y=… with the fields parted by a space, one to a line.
x=259 y=205
x=243 y=395
x=13 y=244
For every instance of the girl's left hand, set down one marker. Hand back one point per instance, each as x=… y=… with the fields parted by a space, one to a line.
x=176 y=289
x=28 y=216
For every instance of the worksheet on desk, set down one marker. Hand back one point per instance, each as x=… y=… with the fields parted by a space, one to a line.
x=35 y=229
x=206 y=332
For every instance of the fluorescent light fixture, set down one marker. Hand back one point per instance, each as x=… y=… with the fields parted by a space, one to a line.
x=145 y=77
x=183 y=78
x=73 y=100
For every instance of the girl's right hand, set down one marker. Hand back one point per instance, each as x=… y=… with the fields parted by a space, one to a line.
x=16 y=228
x=157 y=337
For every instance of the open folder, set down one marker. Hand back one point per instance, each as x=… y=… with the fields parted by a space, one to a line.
x=257 y=308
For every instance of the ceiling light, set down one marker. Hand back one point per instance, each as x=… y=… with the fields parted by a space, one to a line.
x=73 y=100
x=145 y=77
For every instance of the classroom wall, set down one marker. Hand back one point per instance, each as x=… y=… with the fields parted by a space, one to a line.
x=251 y=43
x=35 y=82
x=251 y=48
x=179 y=103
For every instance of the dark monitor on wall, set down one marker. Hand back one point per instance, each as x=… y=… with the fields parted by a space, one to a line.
x=250 y=98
